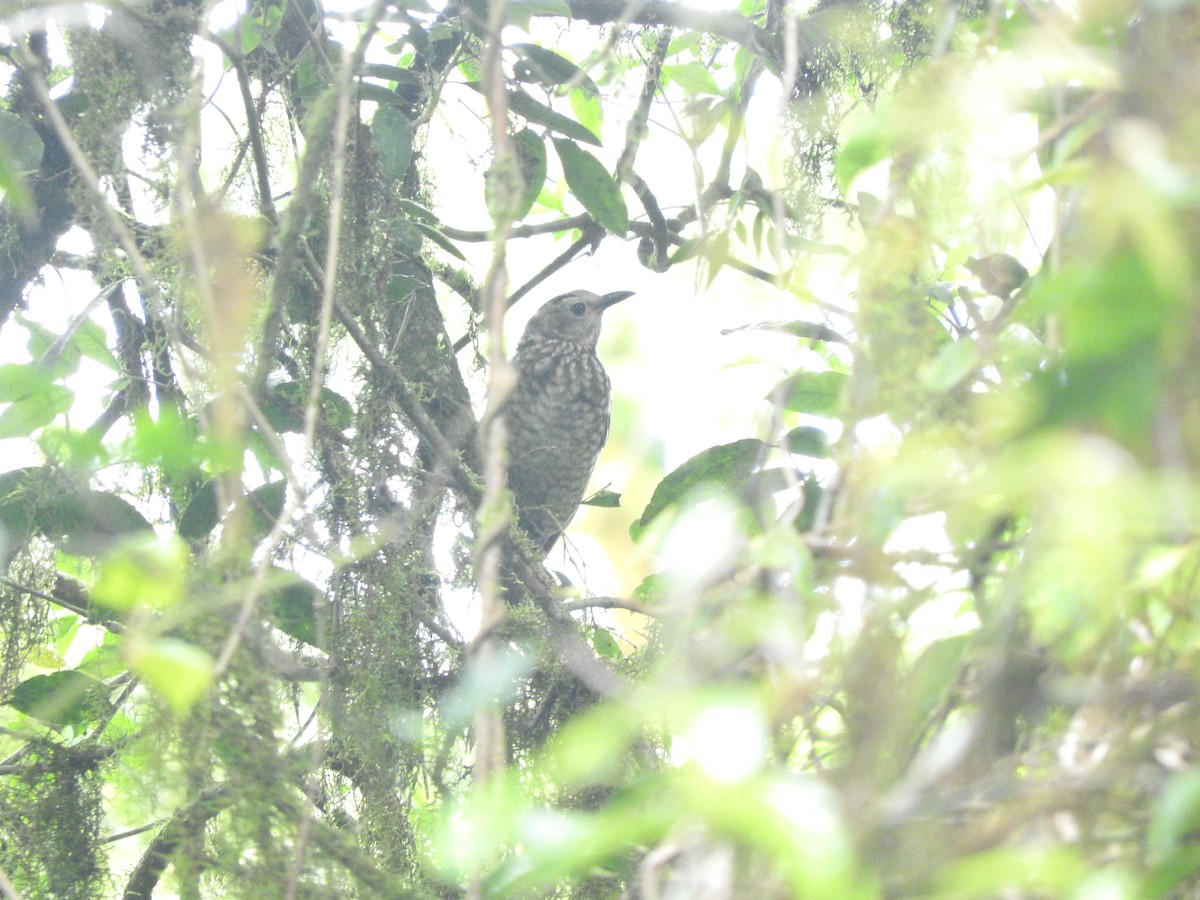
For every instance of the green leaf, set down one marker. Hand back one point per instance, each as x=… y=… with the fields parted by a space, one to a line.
x=722 y=467
x=92 y=342
x=62 y=698
x=818 y=393
x=607 y=499
x=531 y=156
x=293 y=603
x=418 y=212
x=179 y=672
x=19 y=492
x=438 y=238
x=548 y=68
x=521 y=11
x=592 y=186
x=57 y=358
x=145 y=572
x=588 y=110
x=169 y=442
x=201 y=515
x=693 y=77
x=808 y=441
x=955 y=361
x=104 y=661
x=260 y=23
x=860 y=151
x=533 y=111
x=35 y=398
x=1176 y=816
x=400 y=287
x=20 y=145
x=377 y=93
x=266 y=505
x=393 y=139
x=86 y=522
x=283 y=407
x=654 y=588
x=605 y=644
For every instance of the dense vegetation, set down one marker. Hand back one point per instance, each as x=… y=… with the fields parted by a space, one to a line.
x=919 y=623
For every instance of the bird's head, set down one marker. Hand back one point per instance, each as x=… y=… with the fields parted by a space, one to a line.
x=573 y=316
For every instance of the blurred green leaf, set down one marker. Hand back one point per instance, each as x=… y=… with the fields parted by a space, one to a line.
x=35 y=399
x=860 y=151
x=808 y=440
x=284 y=406
x=294 y=604
x=170 y=441
x=955 y=361
x=144 y=571
x=605 y=644
x=265 y=504
x=178 y=672
x=723 y=467
x=20 y=146
x=521 y=11
x=816 y=393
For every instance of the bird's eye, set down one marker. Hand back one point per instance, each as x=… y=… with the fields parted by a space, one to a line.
x=579 y=308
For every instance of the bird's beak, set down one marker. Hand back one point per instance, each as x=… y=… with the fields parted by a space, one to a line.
x=615 y=297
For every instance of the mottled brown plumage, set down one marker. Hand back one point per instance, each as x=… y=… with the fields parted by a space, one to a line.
x=558 y=412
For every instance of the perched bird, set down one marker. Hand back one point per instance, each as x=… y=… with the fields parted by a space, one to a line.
x=558 y=413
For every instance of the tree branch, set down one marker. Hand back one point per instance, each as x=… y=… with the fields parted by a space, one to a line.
x=719 y=23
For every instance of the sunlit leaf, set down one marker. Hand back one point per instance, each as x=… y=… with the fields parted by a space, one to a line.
x=178 y=672
x=588 y=110
x=693 y=77
x=605 y=644
x=146 y=571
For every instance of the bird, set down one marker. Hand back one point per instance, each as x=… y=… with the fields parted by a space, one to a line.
x=557 y=415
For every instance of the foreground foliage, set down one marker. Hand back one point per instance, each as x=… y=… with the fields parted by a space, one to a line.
x=926 y=629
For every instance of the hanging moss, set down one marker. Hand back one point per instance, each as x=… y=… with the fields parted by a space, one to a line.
x=50 y=815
